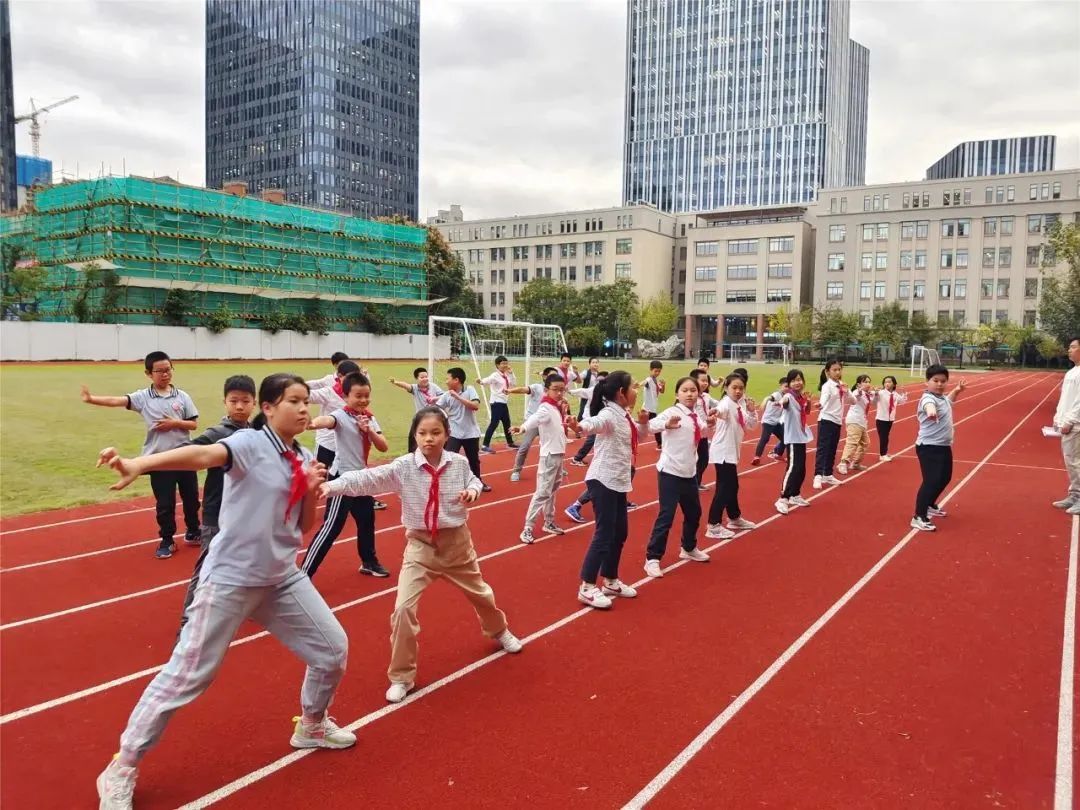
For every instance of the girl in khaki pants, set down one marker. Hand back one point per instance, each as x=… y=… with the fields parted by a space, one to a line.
x=858 y=427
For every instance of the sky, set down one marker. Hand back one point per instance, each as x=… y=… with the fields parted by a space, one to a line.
x=521 y=101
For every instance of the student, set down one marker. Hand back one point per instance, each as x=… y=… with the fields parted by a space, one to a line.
x=795 y=413
x=676 y=473
x=534 y=393
x=552 y=422
x=500 y=382
x=770 y=425
x=424 y=392
x=1067 y=421
x=735 y=414
x=705 y=406
x=743 y=373
x=573 y=511
x=653 y=387
x=271 y=488
x=170 y=416
x=588 y=381
x=461 y=402
x=933 y=445
x=887 y=398
x=329 y=380
x=566 y=369
x=609 y=479
x=356 y=431
x=239 y=405
x=834 y=396
x=858 y=425
x=703 y=365
x=435 y=484
x=585 y=394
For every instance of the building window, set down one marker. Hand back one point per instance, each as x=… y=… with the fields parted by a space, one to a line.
x=1033 y=256
x=623 y=247
x=836 y=261
x=705 y=248
x=622 y=270
x=741 y=296
x=903 y=290
x=1006 y=226
x=879 y=290
x=1029 y=317
x=922 y=229
x=907 y=230
x=1011 y=193
x=926 y=199
x=843 y=205
x=919 y=291
x=943 y=317
x=883 y=230
x=1033 y=191
x=1002 y=315
x=837 y=233
x=568 y=250
x=494 y=298
x=881 y=261
x=985 y=316
x=967 y=196
x=989 y=194
x=868 y=261
x=905 y=259
x=866 y=290
x=961 y=259
x=1057 y=191
x=885 y=202
x=775 y=296
x=741 y=271
x=986 y=288
x=990 y=226
x=1045 y=191
x=1005 y=257
x=1031 y=288
x=834 y=290
x=989 y=257
x=946 y=260
x=705 y=273
x=944 y=289
x=779 y=271
x=781 y=244
x=737 y=246
x=705 y=297
x=866 y=203
x=906 y=202
x=868 y=232
x=1003 y=288
x=920 y=259
x=948 y=228
x=963 y=227
x=960 y=288
x=877 y=202
x=1035 y=222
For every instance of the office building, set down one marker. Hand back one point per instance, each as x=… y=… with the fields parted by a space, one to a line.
x=743 y=102
x=320 y=100
x=8 y=190
x=997 y=156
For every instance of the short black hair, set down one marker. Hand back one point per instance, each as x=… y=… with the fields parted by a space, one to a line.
x=655 y=364
x=155 y=357
x=337 y=357
x=566 y=356
x=1071 y=340
x=352 y=380
x=936 y=368
x=416 y=372
x=593 y=358
x=783 y=380
x=457 y=373
x=551 y=379
x=704 y=360
x=697 y=372
x=548 y=370
x=240 y=382
x=742 y=372
x=347 y=367
x=500 y=359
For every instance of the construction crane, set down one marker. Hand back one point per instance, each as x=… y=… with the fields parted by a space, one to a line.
x=35 y=125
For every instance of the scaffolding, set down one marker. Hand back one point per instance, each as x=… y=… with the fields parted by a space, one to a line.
x=246 y=254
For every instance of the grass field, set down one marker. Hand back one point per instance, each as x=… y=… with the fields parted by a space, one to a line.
x=50 y=439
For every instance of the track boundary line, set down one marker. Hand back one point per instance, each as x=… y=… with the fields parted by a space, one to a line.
x=707 y=734
x=1063 y=773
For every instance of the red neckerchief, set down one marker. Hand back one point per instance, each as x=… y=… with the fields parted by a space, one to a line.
x=739 y=415
x=804 y=407
x=892 y=404
x=431 y=509
x=564 y=373
x=506 y=381
x=430 y=399
x=868 y=404
x=337 y=388
x=558 y=406
x=697 y=428
x=364 y=437
x=633 y=436
x=298 y=485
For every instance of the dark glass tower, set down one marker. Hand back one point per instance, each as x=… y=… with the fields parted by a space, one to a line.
x=8 y=190
x=316 y=97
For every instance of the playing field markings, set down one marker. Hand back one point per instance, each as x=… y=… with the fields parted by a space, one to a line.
x=29 y=711
x=683 y=758
x=1063 y=774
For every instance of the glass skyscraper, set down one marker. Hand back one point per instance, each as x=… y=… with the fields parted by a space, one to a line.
x=319 y=98
x=1035 y=153
x=741 y=102
x=8 y=189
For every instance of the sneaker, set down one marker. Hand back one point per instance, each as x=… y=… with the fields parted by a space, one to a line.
x=831 y=479
x=593 y=597
x=773 y=456
x=324 y=734
x=741 y=523
x=858 y=467
x=374 y=569
x=165 y=550
x=509 y=642
x=614 y=587
x=515 y=476
x=1064 y=503
x=1073 y=510
x=718 y=532
x=923 y=525
x=702 y=488
x=526 y=535
x=755 y=461
x=782 y=506
x=486 y=449
x=631 y=505
x=652 y=569
x=842 y=468
x=485 y=488
x=798 y=500
x=573 y=511
x=817 y=482
x=552 y=528
x=116 y=786
x=397 y=692
x=564 y=473
x=695 y=554
x=933 y=512
x=886 y=458
x=577 y=462
x=511 y=446
x=379 y=506
x=193 y=539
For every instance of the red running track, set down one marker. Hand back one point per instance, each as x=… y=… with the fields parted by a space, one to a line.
x=599 y=705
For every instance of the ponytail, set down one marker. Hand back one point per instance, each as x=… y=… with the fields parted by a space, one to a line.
x=829 y=363
x=271 y=390
x=608 y=388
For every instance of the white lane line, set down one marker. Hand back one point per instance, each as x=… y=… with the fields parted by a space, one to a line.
x=683 y=758
x=1063 y=775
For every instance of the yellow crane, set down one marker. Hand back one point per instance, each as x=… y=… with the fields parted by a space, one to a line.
x=35 y=124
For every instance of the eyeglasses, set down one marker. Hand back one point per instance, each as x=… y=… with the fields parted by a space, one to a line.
x=161 y=371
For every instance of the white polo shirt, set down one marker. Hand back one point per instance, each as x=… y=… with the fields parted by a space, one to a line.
x=329 y=401
x=678 y=456
x=857 y=411
x=724 y=447
x=897 y=398
x=463 y=423
x=549 y=421
x=833 y=399
x=499 y=384
x=154 y=406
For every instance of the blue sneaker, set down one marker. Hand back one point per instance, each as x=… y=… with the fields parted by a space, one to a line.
x=165 y=550
x=486 y=449
x=573 y=511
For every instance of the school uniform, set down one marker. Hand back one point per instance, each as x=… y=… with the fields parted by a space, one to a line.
x=677 y=480
x=586 y=396
x=771 y=426
x=933 y=446
x=733 y=419
x=587 y=382
x=858 y=427
x=887 y=403
x=1068 y=413
x=500 y=384
x=464 y=430
x=650 y=401
x=530 y=435
x=153 y=406
x=550 y=421
x=437 y=544
x=568 y=375
x=703 y=407
x=424 y=397
x=834 y=396
x=797 y=434
x=329 y=399
x=353 y=448
x=250 y=572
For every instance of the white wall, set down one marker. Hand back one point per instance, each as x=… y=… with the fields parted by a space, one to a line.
x=33 y=340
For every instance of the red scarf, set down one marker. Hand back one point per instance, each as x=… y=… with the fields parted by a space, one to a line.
x=868 y=404
x=365 y=439
x=558 y=406
x=697 y=428
x=804 y=407
x=427 y=397
x=564 y=373
x=633 y=437
x=298 y=486
x=431 y=509
x=892 y=404
x=337 y=388
x=506 y=382
x=739 y=416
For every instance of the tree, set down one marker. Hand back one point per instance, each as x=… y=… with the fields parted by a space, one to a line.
x=176 y=306
x=102 y=285
x=545 y=301
x=888 y=328
x=1050 y=348
x=20 y=286
x=1059 y=308
x=834 y=328
x=656 y=319
x=921 y=331
x=611 y=308
x=584 y=340
x=795 y=327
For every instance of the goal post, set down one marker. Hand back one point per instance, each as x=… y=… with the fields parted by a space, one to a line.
x=474 y=343
x=742 y=352
x=921 y=358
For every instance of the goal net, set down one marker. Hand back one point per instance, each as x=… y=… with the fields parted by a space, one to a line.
x=921 y=357
x=473 y=344
x=770 y=352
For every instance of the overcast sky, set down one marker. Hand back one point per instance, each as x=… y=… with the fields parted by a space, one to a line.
x=521 y=101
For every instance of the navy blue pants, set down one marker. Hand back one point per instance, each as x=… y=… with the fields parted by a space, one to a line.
x=609 y=534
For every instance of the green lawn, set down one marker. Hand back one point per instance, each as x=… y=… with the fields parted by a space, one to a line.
x=50 y=439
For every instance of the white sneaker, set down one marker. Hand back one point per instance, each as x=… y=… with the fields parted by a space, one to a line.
x=695 y=554
x=509 y=642
x=831 y=479
x=923 y=525
x=515 y=476
x=397 y=692
x=1073 y=510
x=782 y=506
x=593 y=597
x=1064 y=503
x=615 y=587
x=526 y=535
x=116 y=786
x=741 y=523
x=842 y=468
x=552 y=528
x=652 y=569
x=886 y=458
x=717 y=532
x=817 y=482
x=798 y=500
x=324 y=734
x=933 y=512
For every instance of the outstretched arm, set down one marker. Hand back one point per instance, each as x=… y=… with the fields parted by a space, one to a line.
x=960 y=386
x=371 y=481
x=107 y=402
x=192 y=457
x=404 y=386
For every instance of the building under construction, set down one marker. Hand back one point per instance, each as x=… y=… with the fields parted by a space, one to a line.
x=255 y=259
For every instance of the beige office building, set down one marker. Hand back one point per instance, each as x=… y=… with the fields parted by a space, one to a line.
x=968 y=251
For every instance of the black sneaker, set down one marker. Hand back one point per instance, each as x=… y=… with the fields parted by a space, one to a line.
x=165 y=550
x=485 y=488
x=374 y=569
x=193 y=539
x=379 y=505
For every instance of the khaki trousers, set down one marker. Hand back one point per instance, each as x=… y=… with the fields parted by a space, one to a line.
x=453 y=558
x=858 y=440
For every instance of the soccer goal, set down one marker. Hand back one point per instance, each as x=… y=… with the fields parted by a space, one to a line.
x=921 y=357
x=473 y=344
x=775 y=352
